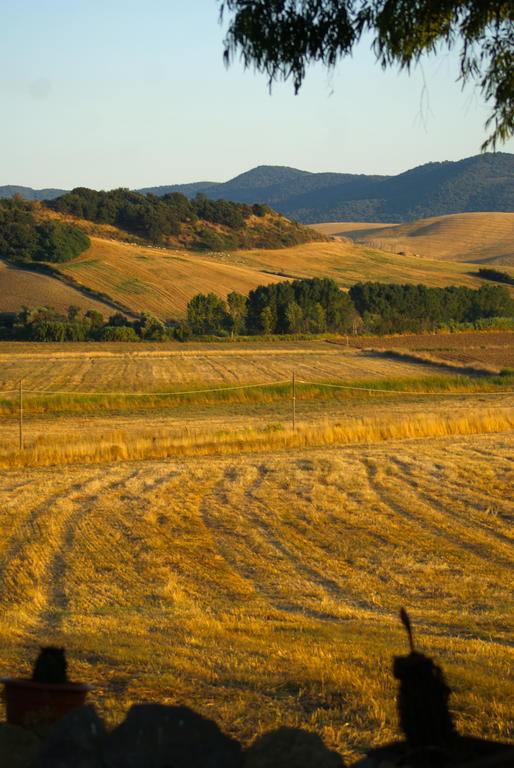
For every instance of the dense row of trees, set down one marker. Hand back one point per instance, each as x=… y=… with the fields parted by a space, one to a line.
x=318 y=306
x=391 y=308
x=22 y=239
x=299 y=307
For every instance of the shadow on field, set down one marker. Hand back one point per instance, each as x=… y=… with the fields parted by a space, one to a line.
x=430 y=360
x=39 y=734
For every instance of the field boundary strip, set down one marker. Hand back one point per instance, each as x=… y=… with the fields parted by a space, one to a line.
x=402 y=391
x=147 y=394
x=179 y=393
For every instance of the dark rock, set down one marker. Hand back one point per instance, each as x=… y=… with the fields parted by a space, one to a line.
x=158 y=736
x=18 y=746
x=75 y=741
x=291 y=748
x=466 y=752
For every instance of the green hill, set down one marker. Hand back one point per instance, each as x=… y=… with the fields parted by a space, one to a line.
x=480 y=183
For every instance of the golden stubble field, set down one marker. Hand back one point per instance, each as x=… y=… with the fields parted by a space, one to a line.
x=162 y=281
x=260 y=583
x=482 y=238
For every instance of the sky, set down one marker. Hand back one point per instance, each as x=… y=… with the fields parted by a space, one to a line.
x=118 y=93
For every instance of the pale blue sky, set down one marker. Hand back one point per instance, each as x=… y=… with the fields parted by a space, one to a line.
x=110 y=93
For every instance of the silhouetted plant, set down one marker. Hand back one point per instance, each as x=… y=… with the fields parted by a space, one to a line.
x=50 y=666
x=423 y=698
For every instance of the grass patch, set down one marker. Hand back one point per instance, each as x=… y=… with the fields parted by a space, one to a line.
x=124 y=445
x=195 y=396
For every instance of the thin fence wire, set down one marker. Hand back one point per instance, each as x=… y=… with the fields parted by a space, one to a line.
x=402 y=391
x=179 y=393
x=147 y=394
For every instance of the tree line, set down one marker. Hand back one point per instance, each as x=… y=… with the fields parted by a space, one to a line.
x=310 y=306
x=317 y=305
x=199 y=223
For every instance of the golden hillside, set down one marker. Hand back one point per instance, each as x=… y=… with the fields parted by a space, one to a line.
x=482 y=238
x=141 y=278
x=163 y=281
x=342 y=228
x=19 y=287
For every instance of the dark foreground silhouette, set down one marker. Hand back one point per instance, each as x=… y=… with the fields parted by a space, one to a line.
x=158 y=736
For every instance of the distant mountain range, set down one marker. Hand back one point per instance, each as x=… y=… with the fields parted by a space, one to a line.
x=480 y=183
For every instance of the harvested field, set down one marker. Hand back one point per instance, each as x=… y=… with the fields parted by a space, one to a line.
x=480 y=238
x=93 y=402
x=157 y=280
x=20 y=288
x=474 y=348
x=152 y=367
x=347 y=263
x=270 y=583
x=248 y=570
x=342 y=228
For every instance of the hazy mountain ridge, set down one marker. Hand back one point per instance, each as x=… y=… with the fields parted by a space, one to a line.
x=9 y=190
x=479 y=183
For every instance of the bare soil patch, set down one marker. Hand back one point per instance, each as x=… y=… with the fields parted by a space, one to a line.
x=489 y=348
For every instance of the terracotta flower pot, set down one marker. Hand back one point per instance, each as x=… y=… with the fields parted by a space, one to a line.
x=29 y=703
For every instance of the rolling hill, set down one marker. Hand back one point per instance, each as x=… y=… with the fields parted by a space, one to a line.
x=480 y=238
x=9 y=190
x=479 y=183
x=140 y=278
x=20 y=287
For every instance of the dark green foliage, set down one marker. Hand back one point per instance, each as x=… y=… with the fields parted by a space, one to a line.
x=94 y=319
x=51 y=330
x=118 y=333
x=237 y=310
x=215 y=225
x=301 y=306
x=480 y=183
x=391 y=308
x=18 y=236
x=495 y=274
x=207 y=314
x=149 y=216
x=282 y=38
x=22 y=240
x=182 y=332
x=117 y=319
x=59 y=242
x=149 y=328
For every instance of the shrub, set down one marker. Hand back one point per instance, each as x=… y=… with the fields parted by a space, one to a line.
x=58 y=242
x=118 y=333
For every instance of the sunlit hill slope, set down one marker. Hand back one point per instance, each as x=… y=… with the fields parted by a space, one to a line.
x=482 y=238
x=163 y=281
